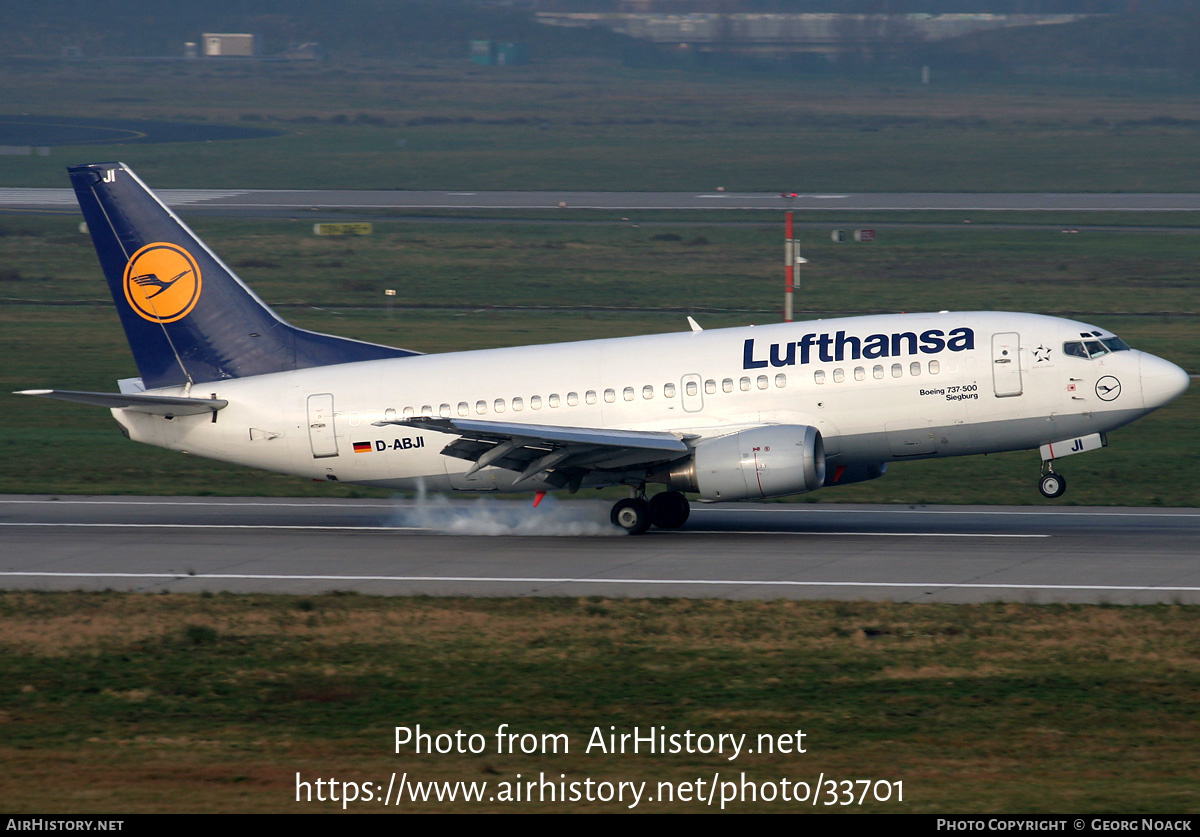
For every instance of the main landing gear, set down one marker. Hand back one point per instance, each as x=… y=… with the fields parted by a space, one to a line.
x=1051 y=484
x=666 y=510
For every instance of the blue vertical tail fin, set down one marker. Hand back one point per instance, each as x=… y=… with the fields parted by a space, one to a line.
x=188 y=317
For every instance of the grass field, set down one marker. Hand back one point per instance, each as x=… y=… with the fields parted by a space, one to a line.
x=166 y=703
x=597 y=125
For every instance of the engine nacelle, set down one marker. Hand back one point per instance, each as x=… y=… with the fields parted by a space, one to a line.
x=753 y=464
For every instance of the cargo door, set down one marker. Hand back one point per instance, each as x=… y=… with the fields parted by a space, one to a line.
x=906 y=440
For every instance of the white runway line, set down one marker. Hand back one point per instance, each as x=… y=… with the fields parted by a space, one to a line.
x=250 y=503
x=973 y=512
x=307 y=526
x=942 y=585
x=233 y=502
x=353 y=528
x=858 y=534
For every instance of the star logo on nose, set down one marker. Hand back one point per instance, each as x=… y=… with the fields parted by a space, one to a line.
x=1042 y=353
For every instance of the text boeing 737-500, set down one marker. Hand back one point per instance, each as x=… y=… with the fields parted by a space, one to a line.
x=727 y=414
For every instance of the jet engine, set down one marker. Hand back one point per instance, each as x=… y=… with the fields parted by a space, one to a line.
x=753 y=464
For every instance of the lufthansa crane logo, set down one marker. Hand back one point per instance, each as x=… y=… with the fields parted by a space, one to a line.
x=162 y=282
x=1108 y=388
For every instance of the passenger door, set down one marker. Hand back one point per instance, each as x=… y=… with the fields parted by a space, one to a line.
x=322 y=434
x=1006 y=364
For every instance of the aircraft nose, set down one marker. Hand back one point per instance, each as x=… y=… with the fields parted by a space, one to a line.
x=1162 y=381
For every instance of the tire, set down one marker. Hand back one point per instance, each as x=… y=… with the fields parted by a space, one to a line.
x=669 y=510
x=632 y=515
x=1052 y=485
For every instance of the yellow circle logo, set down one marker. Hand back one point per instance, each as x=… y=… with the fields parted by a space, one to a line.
x=162 y=282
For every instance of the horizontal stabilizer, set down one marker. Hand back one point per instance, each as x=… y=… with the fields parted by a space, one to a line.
x=159 y=405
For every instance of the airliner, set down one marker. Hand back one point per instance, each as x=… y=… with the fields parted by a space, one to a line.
x=722 y=414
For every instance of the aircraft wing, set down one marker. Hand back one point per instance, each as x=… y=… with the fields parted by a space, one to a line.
x=160 y=405
x=568 y=453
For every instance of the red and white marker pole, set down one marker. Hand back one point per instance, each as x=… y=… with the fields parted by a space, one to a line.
x=789 y=259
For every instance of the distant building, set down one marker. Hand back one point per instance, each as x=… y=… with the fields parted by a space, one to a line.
x=801 y=32
x=228 y=45
x=499 y=53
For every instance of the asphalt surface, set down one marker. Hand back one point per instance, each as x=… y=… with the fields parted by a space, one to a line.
x=271 y=203
x=489 y=547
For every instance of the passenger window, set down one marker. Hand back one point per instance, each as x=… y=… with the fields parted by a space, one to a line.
x=690 y=388
x=498 y=404
x=710 y=386
x=897 y=370
x=744 y=384
x=553 y=400
x=390 y=413
x=481 y=407
x=427 y=410
x=877 y=372
x=590 y=396
x=838 y=375
x=518 y=405
x=444 y=411
x=781 y=380
x=610 y=395
x=819 y=376
x=934 y=367
x=647 y=392
x=668 y=390
x=464 y=408
x=627 y=393
x=762 y=381
x=535 y=403
x=572 y=399
x=914 y=368
x=860 y=374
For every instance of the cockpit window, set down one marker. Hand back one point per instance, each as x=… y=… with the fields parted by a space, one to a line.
x=1094 y=348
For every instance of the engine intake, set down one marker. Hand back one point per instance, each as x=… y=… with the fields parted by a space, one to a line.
x=754 y=464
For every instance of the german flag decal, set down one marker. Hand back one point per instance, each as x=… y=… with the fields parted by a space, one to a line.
x=362 y=447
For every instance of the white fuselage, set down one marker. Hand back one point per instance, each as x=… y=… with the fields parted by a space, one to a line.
x=878 y=388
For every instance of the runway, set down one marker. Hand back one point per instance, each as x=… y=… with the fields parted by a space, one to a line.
x=490 y=547
x=275 y=203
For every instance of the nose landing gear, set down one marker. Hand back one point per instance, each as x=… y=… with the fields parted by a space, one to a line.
x=1051 y=484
